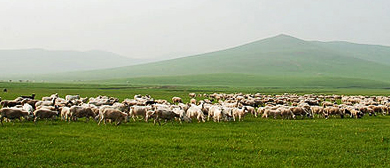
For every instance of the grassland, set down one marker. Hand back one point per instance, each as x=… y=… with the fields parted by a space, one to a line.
x=253 y=143
x=256 y=142
x=122 y=89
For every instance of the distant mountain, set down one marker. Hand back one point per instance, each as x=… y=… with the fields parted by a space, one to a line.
x=40 y=61
x=279 y=57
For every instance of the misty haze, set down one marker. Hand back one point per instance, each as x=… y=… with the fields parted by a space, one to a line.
x=194 y=83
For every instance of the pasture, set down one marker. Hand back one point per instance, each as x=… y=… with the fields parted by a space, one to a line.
x=255 y=142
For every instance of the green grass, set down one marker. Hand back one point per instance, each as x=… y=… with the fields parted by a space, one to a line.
x=256 y=142
x=253 y=81
x=167 y=91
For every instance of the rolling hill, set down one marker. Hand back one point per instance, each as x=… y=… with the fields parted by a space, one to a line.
x=282 y=57
x=40 y=61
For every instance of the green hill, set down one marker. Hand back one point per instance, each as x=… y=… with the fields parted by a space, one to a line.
x=40 y=61
x=272 y=58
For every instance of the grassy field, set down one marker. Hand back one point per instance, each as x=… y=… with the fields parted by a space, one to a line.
x=256 y=142
x=167 y=91
x=253 y=143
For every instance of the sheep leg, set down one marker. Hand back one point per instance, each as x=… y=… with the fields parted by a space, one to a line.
x=119 y=122
x=101 y=119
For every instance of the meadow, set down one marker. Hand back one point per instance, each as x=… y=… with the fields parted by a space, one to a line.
x=255 y=142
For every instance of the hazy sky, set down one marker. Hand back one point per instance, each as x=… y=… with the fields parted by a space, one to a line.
x=173 y=28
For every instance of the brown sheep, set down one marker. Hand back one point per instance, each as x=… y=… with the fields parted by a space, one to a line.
x=353 y=112
x=12 y=113
x=165 y=115
x=113 y=115
x=285 y=112
x=300 y=111
x=46 y=103
x=30 y=102
x=326 y=103
x=378 y=109
x=192 y=95
x=76 y=112
x=177 y=100
x=271 y=112
x=193 y=101
x=328 y=111
x=317 y=110
x=10 y=103
x=44 y=114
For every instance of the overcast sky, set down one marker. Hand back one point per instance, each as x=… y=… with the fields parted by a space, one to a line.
x=162 y=29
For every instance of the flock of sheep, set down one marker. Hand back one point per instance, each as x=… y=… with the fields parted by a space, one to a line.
x=217 y=107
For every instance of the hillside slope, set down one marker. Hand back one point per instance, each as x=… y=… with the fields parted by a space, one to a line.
x=277 y=56
x=40 y=61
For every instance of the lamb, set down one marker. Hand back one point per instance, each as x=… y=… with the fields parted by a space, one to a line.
x=217 y=113
x=240 y=113
x=65 y=113
x=214 y=110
